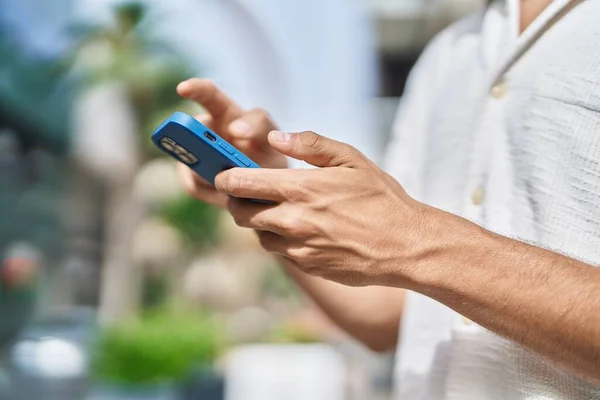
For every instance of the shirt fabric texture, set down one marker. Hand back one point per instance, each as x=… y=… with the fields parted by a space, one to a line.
x=503 y=129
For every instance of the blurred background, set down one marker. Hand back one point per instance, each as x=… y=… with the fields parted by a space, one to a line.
x=113 y=283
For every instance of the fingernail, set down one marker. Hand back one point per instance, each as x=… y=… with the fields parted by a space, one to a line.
x=239 y=127
x=281 y=137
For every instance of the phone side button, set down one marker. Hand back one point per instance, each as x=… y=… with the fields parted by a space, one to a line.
x=242 y=160
x=225 y=147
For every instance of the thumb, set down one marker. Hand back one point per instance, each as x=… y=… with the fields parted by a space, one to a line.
x=315 y=149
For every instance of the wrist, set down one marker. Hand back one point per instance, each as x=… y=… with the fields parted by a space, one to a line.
x=450 y=248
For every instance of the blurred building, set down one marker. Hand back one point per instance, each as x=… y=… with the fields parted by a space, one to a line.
x=311 y=63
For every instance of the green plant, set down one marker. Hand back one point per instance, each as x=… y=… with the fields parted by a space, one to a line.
x=293 y=334
x=197 y=221
x=161 y=346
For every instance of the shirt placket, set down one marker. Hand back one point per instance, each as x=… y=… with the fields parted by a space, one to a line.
x=492 y=120
x=489 y=125
x=477 y=187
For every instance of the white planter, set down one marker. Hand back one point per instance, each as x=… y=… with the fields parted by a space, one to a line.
x=291 y=372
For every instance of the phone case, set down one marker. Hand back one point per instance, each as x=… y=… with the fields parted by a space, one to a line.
x=192 y=143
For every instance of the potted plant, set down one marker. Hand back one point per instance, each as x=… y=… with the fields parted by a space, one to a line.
x=162 y=356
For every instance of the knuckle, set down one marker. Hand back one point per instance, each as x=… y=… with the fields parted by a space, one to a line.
x=209 y=85
x=350 y=150
x=298 y=195
x=261 y=114
x=298 y=227
x=234 y=182
x=267 y=241
x=298 y=191
x=296 y=253
x=240 y=220
x=254 y=221
x=300 y=253
x=290 y=225
x=348 y=154
x=236 y=213
x=311 y=139
x=356 y=154
x=301 y=191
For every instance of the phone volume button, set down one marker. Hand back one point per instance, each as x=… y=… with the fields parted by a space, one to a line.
x=242 y=160
x=226 y=147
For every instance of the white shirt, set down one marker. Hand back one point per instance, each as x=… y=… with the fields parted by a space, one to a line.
x=503 y=129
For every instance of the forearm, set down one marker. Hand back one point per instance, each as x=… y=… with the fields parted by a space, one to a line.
x=545 y=301
x=370 y=314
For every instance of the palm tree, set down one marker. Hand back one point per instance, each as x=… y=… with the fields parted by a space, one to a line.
x=129 y=83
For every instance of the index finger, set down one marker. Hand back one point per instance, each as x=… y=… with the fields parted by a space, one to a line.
x=209 y=96
x=258 y=183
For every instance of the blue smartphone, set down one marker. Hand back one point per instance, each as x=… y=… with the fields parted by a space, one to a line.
x=206 y=153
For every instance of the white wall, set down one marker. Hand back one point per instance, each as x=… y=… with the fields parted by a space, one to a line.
x=311 y=63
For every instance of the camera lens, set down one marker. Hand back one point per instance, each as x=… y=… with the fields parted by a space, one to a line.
x=189 y=159
x=167 y=145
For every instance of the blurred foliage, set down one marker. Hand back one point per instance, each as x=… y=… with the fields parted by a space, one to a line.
x=163 y=345
x=35 y=102
x=34 y=93
x=277 y=283
x=197 y=221
x=17 y=306
x=30 y=197
x=286 y=333
x=128 y=52
x=155 y=290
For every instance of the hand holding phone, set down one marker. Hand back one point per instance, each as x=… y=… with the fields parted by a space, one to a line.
x=246 y=130
x=202 y=150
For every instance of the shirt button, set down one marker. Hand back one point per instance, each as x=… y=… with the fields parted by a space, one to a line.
x=498 y=90
x=477 y=196
x=467 y=321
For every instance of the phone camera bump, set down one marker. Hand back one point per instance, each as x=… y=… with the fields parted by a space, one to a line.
x=168 y=144
x=188 y=158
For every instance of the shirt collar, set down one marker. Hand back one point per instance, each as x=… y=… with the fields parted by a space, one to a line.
x=510 y=8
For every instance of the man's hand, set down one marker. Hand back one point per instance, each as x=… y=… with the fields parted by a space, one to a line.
x=246 y=130
x=367 y=318
x=349 y=222
x=352 y=223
